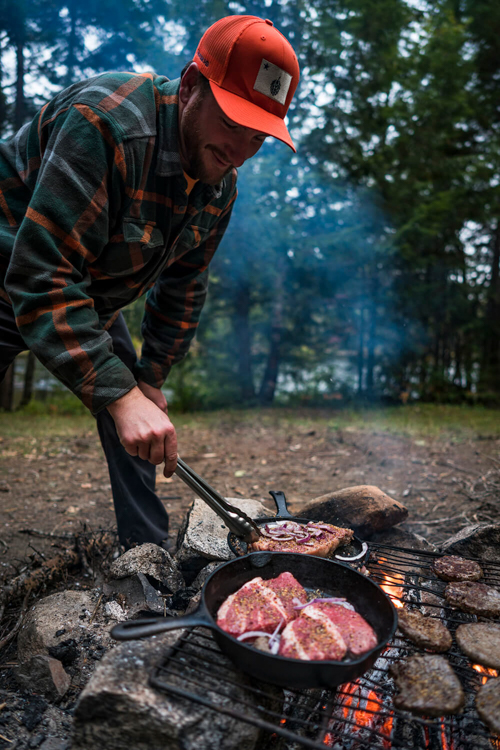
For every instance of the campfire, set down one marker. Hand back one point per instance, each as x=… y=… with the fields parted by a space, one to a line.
x=358 y=715
x=180 y=690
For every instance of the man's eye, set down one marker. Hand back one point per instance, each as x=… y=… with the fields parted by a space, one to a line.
x=229 y=125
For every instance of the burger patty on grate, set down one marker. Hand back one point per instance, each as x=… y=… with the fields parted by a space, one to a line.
x=481 y=642
x=261 y=605
x=454 y=568
x=488 y=704
x=427 y=685
x=476 y=598
x=426 y=632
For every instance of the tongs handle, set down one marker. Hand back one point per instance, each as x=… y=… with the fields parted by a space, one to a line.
x=235 y=519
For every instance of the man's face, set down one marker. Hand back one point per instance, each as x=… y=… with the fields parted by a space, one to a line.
x=211 y=143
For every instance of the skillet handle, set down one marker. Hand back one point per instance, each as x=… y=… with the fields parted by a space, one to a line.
x=280 y=500
x=148 y=626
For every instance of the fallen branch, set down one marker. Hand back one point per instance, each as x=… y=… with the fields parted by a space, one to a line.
x=48 y=534
x=50 y=570
x=438 y=520
x=7 y=639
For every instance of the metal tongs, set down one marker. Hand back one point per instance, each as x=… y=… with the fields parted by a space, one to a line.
x=235 y=519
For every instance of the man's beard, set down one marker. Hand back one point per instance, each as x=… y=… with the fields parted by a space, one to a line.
x=194 y=150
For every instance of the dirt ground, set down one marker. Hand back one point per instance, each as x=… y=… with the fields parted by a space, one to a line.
x=58 y=488
x=61 y=484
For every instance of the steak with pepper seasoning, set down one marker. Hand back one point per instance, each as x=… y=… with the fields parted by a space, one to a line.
x=427 y=685
x=426 y=632
x=476 y=598
x=333 y=537
x=480 y=641
x=325 y=630
x=454 y=568
x=260 y=605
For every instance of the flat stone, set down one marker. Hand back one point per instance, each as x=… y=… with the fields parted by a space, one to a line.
x=43 y=675
x=364 y=508
x=481 y=540
x=152 y=561
x=203 y=535
x=119 y=710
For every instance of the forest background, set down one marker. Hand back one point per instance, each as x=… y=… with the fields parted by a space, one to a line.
x=366 y=266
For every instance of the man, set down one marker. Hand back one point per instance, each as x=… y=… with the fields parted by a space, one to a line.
x=121 y=185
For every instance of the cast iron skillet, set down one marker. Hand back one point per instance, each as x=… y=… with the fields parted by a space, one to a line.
x=356 y=550
x=314 y=573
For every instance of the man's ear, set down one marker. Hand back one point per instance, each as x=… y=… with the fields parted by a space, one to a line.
x=189 y=82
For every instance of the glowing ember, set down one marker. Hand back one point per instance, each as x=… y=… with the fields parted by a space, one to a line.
x=485 y=671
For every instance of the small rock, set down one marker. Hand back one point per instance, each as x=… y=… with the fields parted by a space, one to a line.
x=152 y=561
x=114 y=611
x=44 y=675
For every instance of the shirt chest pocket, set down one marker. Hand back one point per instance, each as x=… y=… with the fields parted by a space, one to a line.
x=192 y=236
x=138 y=247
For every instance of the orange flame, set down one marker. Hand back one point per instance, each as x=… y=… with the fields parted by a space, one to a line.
x=485 y=671
x=392 y=585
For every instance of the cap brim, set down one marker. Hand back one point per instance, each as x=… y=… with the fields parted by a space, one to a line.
x=250 y=115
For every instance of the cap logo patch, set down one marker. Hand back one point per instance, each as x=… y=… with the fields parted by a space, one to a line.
x=272 y=81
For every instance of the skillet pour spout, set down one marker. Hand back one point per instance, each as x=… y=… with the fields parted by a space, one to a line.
x=316 y=574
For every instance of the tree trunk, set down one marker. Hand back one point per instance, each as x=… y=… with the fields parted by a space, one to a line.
x=20 y=108
x=490 y=360
x=7 y=390
x=243 y=345
x=29 y=379
x=268 y=386
x=372 y=331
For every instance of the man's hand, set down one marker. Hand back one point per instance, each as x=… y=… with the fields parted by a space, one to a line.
x=144 y=428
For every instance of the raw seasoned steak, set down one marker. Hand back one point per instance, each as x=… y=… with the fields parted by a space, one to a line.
x=427 y=685
x=481 y=642
x=476 y=598
x=358 y=635
x=288 y=589
x=332 y=537
x=454 y=568
x=488 y=704
x=312 y=636
x=426 y=632
x=325 y=630
x=256 y=606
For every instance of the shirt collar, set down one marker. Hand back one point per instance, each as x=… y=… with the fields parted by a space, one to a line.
x=168 y=163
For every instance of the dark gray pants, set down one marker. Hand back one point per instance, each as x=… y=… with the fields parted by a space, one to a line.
x=140 y=515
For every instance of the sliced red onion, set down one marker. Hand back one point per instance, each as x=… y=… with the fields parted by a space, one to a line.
x=334 y=600
x=304 y=539
x=275 y=647
x=322 y=526
x=282 y=537
x=253 y=634
x=275 y=634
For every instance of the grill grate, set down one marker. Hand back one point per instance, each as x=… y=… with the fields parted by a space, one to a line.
x=358 y=715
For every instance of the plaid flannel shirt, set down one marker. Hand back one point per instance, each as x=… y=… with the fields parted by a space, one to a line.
x=93 y=214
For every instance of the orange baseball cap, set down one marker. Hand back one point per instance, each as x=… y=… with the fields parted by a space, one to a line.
x=253 y=72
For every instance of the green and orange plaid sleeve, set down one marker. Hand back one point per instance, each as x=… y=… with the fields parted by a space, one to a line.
x=93 y=214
